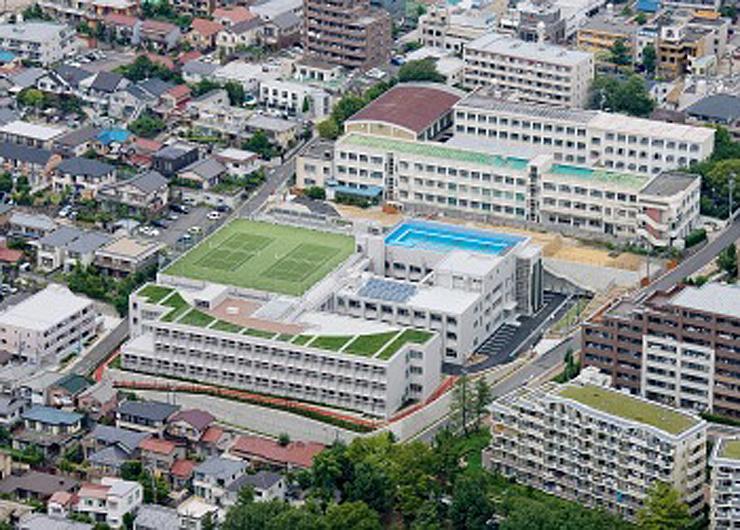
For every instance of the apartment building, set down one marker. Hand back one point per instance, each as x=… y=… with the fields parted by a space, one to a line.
x=680 y=347
x=431 y=177
x=534 y=72
x=48 y=326
x=584 y=137
x=295 y=98
x=685 y=40
x=450 y=29
x=596 y=446
x=348 y=33
x=601 y=32
x=458 y=282
x=126 y=255
x=724 y=501
x=40 y=42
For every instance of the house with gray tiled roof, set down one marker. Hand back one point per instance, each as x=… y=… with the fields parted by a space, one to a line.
x=84 y=176
x=146 y=193
x=48 y=430
x=32 y=162
x=144 y=416
x=213 y=477
x=66 y=246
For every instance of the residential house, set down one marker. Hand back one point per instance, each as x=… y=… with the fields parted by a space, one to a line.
x=195 y=513
x=30 y=226
x=229 y=16
x=175 y=100
x=126 y=255
x=42 y=521
x=85 y=176
x=181 y=474
x=719 y=109
x=61 y=504
x=155 y=517
x=64 y=393
x=266 y=486
x=47 y=429
x=99 y=90
x=189 y=425
x=108 y=448
x=272 y=9
x=11 y=408
x=121 y=27
x=214 y=441
x=113 y=141
x=35 y=485
x=195 y=8
x=158 y=455
x=282 y=31
x=109 y=501
x=135 y=99
x=238 y=162
x=202 y=34
x=32 y=386
x=295 y=99
x=248 y=75
x=213 y=477
x=77 y=142
x=144 y=416
x=64 y=79
x=257 y=450
x=24 y=79
x=280 y=132
x=66 y=246
x=31 y=162
x=238 y=37
x=145 y=194
x=143 y=150
x=159 y=35
x=103 y=8
x=30 y=134
x=196 y=71
x=174 y=157
x=204 y=173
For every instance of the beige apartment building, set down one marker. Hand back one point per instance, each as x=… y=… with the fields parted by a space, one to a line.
x=451 y=29
x=724 y=503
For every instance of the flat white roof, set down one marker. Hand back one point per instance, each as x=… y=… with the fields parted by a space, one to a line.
x=640 y=126
x=32 y=130
x=502 y=44
x=330 y=324
x=470 y=263
x=715 y=298
x=44 y=309
x=443 y=299
x=239 y=155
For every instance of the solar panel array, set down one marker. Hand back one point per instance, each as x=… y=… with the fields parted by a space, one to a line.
x=388 y=291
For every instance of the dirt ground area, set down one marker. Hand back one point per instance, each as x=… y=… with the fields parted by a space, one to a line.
x=553 y=245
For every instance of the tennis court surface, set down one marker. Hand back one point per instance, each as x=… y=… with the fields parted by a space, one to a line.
x=264 y=256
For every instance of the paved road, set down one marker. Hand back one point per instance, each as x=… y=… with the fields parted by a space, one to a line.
x=101 y=350
x=695 y=262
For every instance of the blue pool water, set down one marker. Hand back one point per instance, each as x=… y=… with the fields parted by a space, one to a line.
x=425 y=235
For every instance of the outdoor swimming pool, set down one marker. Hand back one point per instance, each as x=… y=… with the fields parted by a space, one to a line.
x=425 y=235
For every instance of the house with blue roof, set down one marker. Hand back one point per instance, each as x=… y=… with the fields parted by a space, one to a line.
x=48 y=430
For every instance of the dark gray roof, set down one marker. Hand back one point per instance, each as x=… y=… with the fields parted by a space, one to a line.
x=148 y=182
x=160 y=517
x=150 y=410
x=24 y=153
x=61 y=237
x=286 y=20
x=221 y=468
x=245 y=26
x=261 y=480
x=42 y=521
x=88 y=242
x=51 y=415
x=7 y=115
x=71 y=74
x=106 y=81
x=41 y=483
x=174 y=151
x=9 y=404
x=78 y=136
x=718 y=107
x=110 y=456
x=668 y=184
x=155 y=87
x=199 y=68
x=207 y=168
x=107 y=435
x=86 y=167
x=28 y=77
x=139 y=93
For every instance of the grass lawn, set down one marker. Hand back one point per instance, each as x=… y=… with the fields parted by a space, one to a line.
x=302 y=339
x=629 y=407
x=730 y=449
x=410 y=335
x=196 y=318
x=285 y=337
x=369 y=344
x=154 y=293
x=259 y=333
x=178 y=305
x=331 y=342
x=222 y=325
x=264 y=256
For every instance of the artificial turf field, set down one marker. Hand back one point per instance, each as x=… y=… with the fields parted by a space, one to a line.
x=264 y=256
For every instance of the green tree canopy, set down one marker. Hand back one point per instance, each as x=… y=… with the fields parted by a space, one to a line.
x=663 y=509
x=629 y=95
x=620 y=53
x=420 y=70
x=649 y=58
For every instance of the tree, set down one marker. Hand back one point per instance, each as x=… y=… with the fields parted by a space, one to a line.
x=663 y=509
x=35 y=12
x=371 y=485
x=6 y=182
x=649 y=58
x=208 y=523
x=128 y=520
x=283 y=439
x=147 y=126
x=641 y=19
x=420 y=70
x=482 y=398
x=31 y=97
x=314 y=192
x=620 y=54
x=727 y=261
x=471 y=507
x=253 y=515
x=355 y=515
x=329 y=128
x=307 y=101
x=629 y=95
x=260 y=144
x=236 y=92
x=462 y=406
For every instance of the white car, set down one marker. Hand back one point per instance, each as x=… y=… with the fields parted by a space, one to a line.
x=214 y=216
x=195 y=230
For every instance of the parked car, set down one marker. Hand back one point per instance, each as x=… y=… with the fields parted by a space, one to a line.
x=173 y=217
x=214 y=216
x=223 y=208
x=195 y=230
x=179 y=208
x=160 y=223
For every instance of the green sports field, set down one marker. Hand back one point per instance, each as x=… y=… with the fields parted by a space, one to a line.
x=264 y=256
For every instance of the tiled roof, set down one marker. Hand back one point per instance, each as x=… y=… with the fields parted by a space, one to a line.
x=221 y=468
x=234 y=14
x=180 y=91
x=212 y=435
x=298 y=453
x=51 y=415
x=150 y=410
x=74 y=383
x=414 y=107
x=120 y=20
x=182 y=468
x=86 y=167
x=107 y=435
x=262 y=480
x=157 y=445
x=206 y=27
x=199 y=419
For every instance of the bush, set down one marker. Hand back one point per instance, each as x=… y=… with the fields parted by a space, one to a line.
x=316 y=192
x=695 y=237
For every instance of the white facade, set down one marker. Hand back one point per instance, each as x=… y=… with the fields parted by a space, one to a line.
x=42 y=42
x=433 y=177
x=724 y=503
x=295 y=98
x=48 y=326
x=589 y=444
x=110 y=500
x=591 y=138
x=533 y=72
x=451 y=29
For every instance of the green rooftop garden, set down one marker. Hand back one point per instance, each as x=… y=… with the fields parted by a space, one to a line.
x=154 y=293
x=259 y=333
x=222 y=325
x=285 y=337
x=630 y=408
x=369 y=344
x=179 y=305
x=330 y=342
x=730 y=449
x=415 y=336
x=196 y=318
x=300 y=340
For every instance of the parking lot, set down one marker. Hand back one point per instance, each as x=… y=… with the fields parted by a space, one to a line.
x=111 y=61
